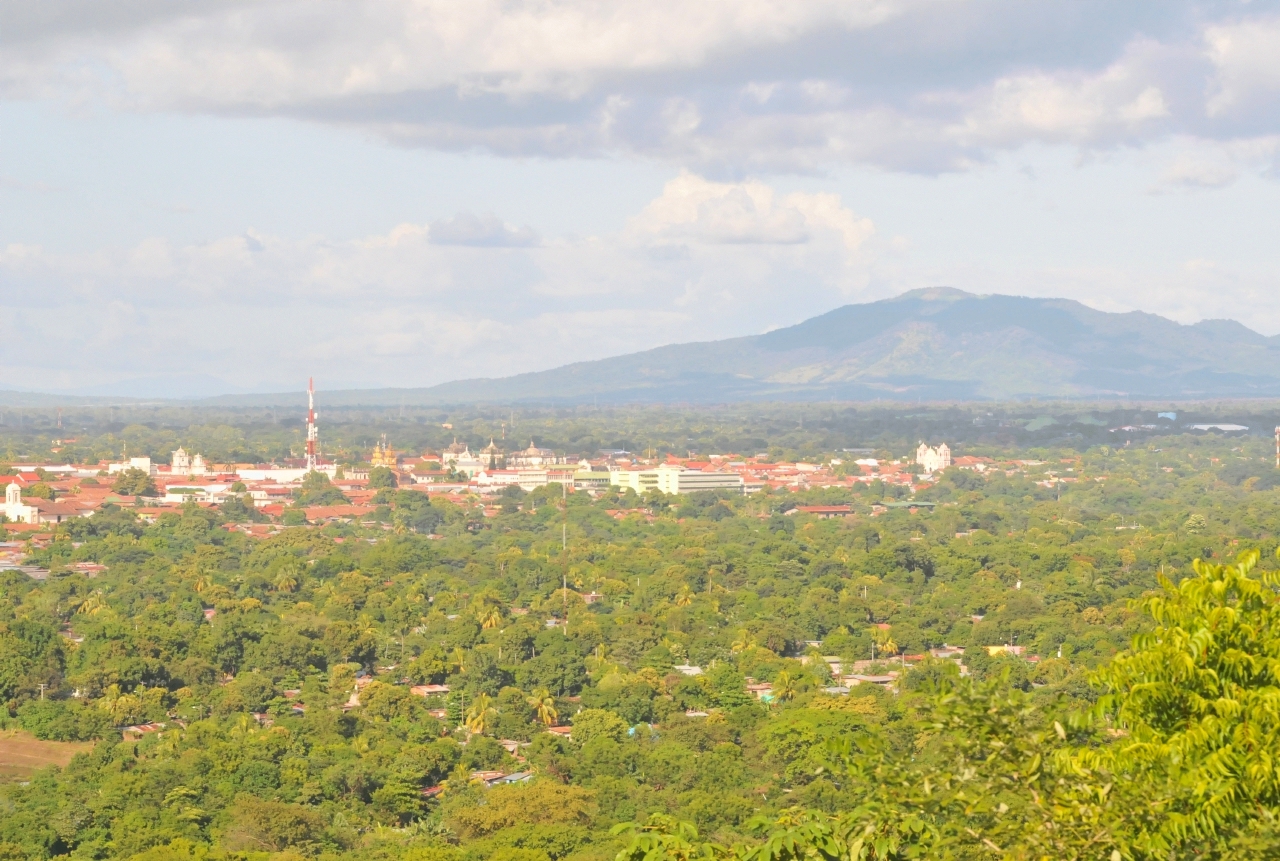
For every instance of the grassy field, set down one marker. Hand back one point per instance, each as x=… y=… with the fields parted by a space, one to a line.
x=22 y=753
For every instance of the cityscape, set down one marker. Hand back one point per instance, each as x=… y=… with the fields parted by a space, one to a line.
x=576 y=430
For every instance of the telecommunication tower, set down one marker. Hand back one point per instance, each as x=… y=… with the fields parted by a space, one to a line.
x=313 y=435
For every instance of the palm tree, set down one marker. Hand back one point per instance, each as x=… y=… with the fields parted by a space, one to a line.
x=685 y=596
x=742 y=642
x=544 y=706
x=481 y=715
x=458 y=661
x=784 y=687
x=92 y=605
x=286 y=582
x=489 y=617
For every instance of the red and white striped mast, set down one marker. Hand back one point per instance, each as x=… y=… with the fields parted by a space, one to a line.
x=313 y=435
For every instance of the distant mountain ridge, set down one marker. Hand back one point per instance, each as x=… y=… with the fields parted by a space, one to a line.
x=931 y=344
x=935 y=344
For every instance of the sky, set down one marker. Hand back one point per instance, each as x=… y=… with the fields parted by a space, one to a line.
x=235 y=195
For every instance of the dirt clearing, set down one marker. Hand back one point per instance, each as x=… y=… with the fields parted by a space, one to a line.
x=21 y=753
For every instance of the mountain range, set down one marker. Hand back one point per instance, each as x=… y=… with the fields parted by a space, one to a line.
x=930 y=344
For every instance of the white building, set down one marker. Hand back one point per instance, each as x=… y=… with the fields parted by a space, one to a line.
x=142 y=463
x=215 y=493
x=933 y=459
x=185 y=464
x=674 y=478
x=284 y=475
x=459 y=458
x=17 y=510
x=533 y=456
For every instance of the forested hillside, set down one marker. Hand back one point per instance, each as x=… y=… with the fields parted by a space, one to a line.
x=279 y=674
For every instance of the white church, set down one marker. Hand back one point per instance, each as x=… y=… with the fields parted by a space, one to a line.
x=185 y=464
x=931 y=459
x=33 y=510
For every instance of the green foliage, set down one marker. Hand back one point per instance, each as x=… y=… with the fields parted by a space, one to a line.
x=134 y=482
x=381 y=476
x=592 y=724
x=63 y=721
x=39 y=490
x=248 y=650
x=1197 y=700
x=316 y=489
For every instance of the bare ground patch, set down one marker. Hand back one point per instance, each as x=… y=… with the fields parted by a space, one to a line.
x=21 y=754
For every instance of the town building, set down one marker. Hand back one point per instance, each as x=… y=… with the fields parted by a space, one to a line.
x=186 y=464
x=675 y=478
x=931 y=459
x=459 y=458
x=383 y=455
x=32 y=510
x=142 y=463
x=533 y=456
x=491 y=456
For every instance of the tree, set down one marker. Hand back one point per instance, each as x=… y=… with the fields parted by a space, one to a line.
x=481 y=715
x=591 y=724
x=544 y=706
x=543 y=802
x=273 y=826
x=134 y=482
x=784 y=687
x=316 y=489
x=39 y=490
x=381 y=476
x=489 y=616
x=1196 y=697
x=685 y=596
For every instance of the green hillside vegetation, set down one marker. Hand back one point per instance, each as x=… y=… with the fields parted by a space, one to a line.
x=1146 y=729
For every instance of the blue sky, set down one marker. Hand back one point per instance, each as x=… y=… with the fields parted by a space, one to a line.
x=237 y=195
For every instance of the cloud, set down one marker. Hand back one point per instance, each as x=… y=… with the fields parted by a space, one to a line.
x=1191 y=172
x=426 y=303
x=694 y=209
x=723 y=86
x=1246 y=60
x=485 y=230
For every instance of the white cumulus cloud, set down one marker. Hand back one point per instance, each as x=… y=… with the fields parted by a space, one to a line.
x=739 y=86
x=694 y=209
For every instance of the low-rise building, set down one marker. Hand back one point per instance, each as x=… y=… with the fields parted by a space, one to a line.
x=35 y=511
x=675 y=478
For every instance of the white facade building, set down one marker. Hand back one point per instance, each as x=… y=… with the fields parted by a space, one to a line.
x=142 y=463
x=533 y=456
x=284 y=475
x=184 y=464
x=16 y=510
x=933 y=459
x=459 y=458
x=674 y=478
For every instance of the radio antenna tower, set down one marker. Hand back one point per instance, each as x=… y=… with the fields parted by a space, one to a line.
x=313 y=435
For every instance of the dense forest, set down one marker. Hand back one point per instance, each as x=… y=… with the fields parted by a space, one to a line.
x=288 y=691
